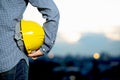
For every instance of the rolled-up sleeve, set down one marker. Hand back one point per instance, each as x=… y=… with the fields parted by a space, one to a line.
x=50 y=12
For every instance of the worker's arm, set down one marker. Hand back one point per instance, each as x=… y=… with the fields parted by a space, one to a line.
x=51 y=14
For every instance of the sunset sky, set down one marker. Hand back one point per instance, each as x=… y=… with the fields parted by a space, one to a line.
x=86 y=26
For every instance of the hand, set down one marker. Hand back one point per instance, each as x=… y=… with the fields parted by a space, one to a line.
x=35 y=54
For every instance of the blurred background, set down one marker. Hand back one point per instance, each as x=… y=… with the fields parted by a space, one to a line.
x=87 y=45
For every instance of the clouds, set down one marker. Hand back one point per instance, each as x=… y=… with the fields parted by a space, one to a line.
x=114 y=33
x=89 y=16
x=73 y=36
x=70 y=37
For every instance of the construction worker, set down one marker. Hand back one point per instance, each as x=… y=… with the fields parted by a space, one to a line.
x=14 y=64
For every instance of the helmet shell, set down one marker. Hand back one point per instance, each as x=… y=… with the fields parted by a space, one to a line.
x=33 y=35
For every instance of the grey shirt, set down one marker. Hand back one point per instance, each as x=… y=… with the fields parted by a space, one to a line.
x=11 y=12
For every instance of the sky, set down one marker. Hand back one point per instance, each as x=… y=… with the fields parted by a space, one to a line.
x=86 y=27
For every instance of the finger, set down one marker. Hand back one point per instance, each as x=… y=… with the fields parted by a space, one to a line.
x=35 y=53
x=34 y=58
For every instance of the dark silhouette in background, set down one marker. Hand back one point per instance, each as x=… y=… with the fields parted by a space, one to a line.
x=75 y=68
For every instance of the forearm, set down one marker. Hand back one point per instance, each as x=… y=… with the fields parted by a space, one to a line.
x=50 y=28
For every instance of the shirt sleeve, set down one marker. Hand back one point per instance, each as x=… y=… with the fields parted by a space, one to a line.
x=50 y=12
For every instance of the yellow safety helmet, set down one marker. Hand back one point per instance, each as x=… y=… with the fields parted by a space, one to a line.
x=33 y=35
